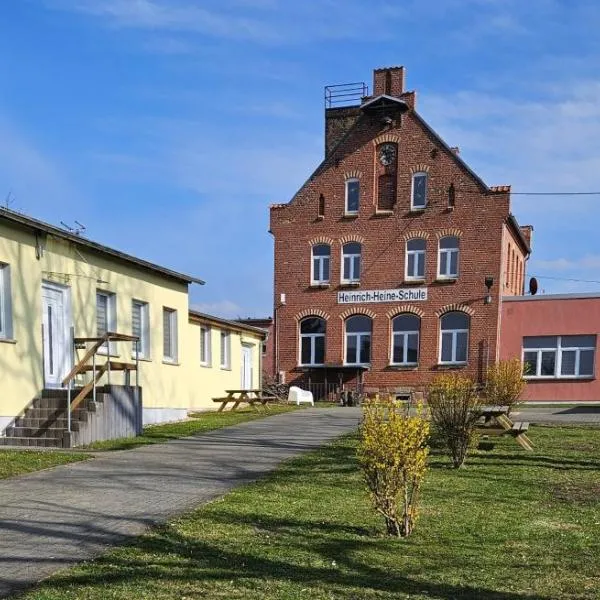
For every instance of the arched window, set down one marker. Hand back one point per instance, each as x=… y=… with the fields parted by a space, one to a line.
x=351 y=262
x=352 y=196
x=448 y=258
x=358 y=340
x=405 y=339
x=320 y=263
x=415 y=259
x=312 y=341
x=419 y=191
x=454 y=338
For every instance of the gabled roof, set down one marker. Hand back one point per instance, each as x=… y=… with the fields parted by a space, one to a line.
x=26 y=222
x=384 y=100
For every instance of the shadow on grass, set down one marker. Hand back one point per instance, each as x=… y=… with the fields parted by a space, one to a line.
x=177 y=559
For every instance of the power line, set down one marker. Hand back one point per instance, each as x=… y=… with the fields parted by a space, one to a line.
x=555 y=193
x=566 y=279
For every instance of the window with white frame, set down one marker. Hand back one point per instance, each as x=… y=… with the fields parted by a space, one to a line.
x=169 y=335
x=358 y=340
x=405 y=339
x=419 y=191
x=140 y=327
x=454 y=338
x=106 y=317
x=351 y=262
x=5 y=303
x=555 y=357
x=312 y=341
x=225 y=350
x=352 y=196
x=321 y=254
x=205 y=346
x=415 y=259
x=448 y=258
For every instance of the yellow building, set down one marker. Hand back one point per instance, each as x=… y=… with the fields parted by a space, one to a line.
x=57 y=288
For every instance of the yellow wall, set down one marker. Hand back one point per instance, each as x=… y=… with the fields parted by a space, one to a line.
x=183 y=385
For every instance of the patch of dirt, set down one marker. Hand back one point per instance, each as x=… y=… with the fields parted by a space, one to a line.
x=577 y=493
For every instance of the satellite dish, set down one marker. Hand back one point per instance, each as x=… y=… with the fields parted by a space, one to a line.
x=533 y=286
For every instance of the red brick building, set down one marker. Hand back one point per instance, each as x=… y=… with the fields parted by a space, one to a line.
x=392 y=259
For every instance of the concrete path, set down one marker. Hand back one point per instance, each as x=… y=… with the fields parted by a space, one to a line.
x=573 y=415
x=53 y=519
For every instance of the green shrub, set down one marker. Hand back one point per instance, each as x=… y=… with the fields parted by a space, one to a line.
x=453 y=401
x=392 y=453
x=504 y=383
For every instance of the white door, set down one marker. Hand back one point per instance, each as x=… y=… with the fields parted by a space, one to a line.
x=56 y=325
x=246 y=367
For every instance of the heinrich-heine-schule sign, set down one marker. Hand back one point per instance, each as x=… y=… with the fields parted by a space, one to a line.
x=397 y=295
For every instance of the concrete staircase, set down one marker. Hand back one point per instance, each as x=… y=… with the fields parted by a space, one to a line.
x=44 y=422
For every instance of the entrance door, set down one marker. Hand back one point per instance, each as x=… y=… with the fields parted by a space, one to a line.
x=246 y=367
x=56 y=321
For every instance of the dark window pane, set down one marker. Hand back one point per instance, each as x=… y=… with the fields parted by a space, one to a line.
x=321 y=250
x=411 y=265
x=413 y=348
x=325 y=274
x=352 y=248
x=353 y=194
x=365 y=349
x=567 y=366
x=316 y=269
x=346 y=274
x=578 y=341
x=320 y=349
x=358 y=324
x=530 y=363
x=416 y=244
x=419 y=190
x=443 y=263
x=351 y=349
x=398 y=350
x=306 y=343
x=453 y=264
x=449 y=242
x=421 y=265
x=312 y=325
x=446 y=347
x=545 y=341
x=406 y=323
x=455 y=320
x=586 y=362
x=356 y=273
x=461 y=347
x=548 y=367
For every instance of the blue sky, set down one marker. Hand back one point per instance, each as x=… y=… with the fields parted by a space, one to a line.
x=167 y=127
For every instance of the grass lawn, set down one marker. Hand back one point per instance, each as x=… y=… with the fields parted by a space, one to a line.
x=200 y=423
x=18 y=462
x=511 y=525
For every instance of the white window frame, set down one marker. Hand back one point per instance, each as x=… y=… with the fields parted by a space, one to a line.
x=352 y=257
x=313 y=344
x=205 y=345
x=405 y=334
x=6 y=331
x=225 y=350
x=413 y=206
x=359 y=335
x=171 y=354
x=448 y=252
x=144 y=341
x=347 y=211
x=318 y=278
x=418 y=255
x=454 y=336
x=557 y=349
x=111 y=320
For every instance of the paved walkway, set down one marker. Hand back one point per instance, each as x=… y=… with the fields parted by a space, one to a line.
x=53 y=519
x=573 y=415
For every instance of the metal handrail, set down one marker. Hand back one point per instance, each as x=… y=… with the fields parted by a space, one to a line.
x=99 y=341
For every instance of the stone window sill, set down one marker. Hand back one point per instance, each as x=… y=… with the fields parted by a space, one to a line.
x=173 y=363
x=446 y=280
x=8 y=341
x=141 y=358
x=393 y=367
x=413 y=282
x=383 y=213
x=417 y=211
x=450 y=366
x=350 y=216
x=350 y=284
x=319 y=286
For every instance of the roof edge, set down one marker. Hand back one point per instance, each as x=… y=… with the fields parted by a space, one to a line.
x=573 y=296
x=200 y=317
x=514 y=224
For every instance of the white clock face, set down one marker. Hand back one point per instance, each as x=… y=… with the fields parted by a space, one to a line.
x=387 y=154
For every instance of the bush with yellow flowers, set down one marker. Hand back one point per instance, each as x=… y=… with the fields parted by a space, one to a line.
x=392 y=453
x=504 y=383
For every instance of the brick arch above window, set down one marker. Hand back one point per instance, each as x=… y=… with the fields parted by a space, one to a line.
x=350 y=312
x=455 y=308
x=422 y=168
x=352 y=237
x=413 y=235
x=449 y=232
x=320 y=240
x=386 y=138
x=352 y=175
x=315 y=312
x=403 y=309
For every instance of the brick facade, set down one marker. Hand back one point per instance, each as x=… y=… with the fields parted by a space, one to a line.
x=458 y=204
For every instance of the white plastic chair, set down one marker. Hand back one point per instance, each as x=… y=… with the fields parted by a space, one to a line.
x=299 y=396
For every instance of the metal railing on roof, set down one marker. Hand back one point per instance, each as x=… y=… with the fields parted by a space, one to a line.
x=345 y=94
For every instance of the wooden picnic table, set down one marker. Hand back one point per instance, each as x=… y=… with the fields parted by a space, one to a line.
x=495 y=421
x=250 y=396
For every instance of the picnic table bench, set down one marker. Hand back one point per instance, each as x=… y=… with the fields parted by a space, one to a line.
x=251 y=397
x=495 y=421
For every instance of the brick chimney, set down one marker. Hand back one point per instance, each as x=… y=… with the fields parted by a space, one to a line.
x=388 y=81
x=527 y=231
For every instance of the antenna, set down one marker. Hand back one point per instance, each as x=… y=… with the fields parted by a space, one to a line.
x=8 y=200
x=78 y=230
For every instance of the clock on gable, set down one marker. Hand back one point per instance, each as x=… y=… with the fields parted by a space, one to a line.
x=387 y=154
